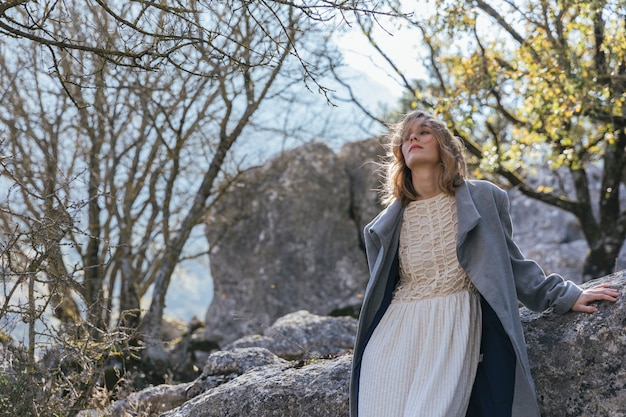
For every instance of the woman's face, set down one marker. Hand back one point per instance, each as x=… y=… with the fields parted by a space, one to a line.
x=419 y=146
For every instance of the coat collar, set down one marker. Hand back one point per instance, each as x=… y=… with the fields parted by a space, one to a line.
x=385 y=224
x=467 y=213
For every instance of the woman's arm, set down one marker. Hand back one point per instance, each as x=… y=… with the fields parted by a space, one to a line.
x=554 y=283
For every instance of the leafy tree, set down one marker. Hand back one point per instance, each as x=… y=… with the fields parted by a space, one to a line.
x=529 y=84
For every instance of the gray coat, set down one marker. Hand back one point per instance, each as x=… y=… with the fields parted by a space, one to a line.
x=492 y=261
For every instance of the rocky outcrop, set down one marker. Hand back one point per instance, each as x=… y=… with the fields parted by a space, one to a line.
x=317 y=389
x=552 y=236
x=268 y=377
x=302 y=335
x=151 y=401
x=362 y=163
x=285 y=239
x=578 y=362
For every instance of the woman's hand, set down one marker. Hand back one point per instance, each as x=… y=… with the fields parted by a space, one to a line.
x=596 y=293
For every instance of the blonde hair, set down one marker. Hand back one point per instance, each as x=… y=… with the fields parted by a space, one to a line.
x=398 y=181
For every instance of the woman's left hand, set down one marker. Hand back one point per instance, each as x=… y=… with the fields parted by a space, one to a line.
x=596 y=293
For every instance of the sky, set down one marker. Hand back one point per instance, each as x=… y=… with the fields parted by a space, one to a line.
x=360 y=56
x=401 y=44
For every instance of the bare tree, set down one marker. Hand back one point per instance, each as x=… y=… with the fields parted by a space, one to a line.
x=100 y=199
x=156 y=35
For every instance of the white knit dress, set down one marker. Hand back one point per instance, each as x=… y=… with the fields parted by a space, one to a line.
x=422 y=357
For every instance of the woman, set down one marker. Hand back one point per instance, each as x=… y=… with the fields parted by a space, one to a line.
x=439 y=332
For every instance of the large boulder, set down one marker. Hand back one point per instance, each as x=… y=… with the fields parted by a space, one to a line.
x=288 y=236
x=551 y=236
x=578 y=360
x=151 y=401
x=283 y=239
x=315 y=389
x=221 y=367
x=281 y=357
x=362 y=162
x=302 y=335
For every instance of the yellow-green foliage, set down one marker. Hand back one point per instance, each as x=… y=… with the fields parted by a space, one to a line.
x=532 y=84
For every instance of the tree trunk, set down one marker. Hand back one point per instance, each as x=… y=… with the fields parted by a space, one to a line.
x=601 y=258
x=605 y=246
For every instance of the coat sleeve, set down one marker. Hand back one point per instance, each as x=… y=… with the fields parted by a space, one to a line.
x=534 y=289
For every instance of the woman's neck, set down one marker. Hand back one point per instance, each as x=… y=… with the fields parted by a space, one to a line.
x=426 y=182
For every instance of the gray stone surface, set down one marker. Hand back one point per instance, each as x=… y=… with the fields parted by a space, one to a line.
x=578 y=360
x=552 y=236
x=302 y=335
x=284 y=239
x=317 y=389
x=148 y=402
x=288 y=236
x=274 y=256
x=361 y=161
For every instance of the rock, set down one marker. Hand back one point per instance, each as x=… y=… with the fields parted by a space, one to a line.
x=578 y=360
x=172 y=328
x=282 y=240
x=566 y=259
x=186 y=350
x=288 y=236
x=239 y=361
x=287 y=239
x=318 y=389
x=150 y=401
x=248 y=362
x=225 y=366
x=552 y=236
x=362 y=160
x=220 y=368
x=302 y=335
x=89 y=413
x=536 y=222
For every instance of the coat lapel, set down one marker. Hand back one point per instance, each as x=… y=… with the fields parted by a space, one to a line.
x=467 y=213
x=386 y=224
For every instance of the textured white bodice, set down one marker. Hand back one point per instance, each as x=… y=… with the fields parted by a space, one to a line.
x=429 y=266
